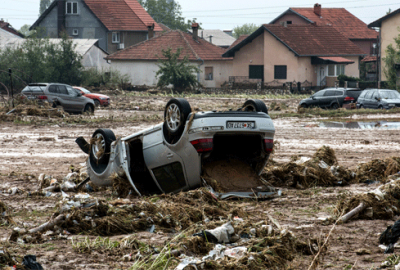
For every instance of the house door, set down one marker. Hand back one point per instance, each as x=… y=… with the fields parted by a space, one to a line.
x=256 y=72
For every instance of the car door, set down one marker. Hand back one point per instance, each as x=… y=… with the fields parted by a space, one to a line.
x=165 y=166
x=76 y=100
x=367 y=99
x=316 y=99
x=328 y=98
x=375 y=100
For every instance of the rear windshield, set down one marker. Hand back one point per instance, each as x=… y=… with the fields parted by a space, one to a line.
x=354 y=93
x=389 y=94
x=34 y=89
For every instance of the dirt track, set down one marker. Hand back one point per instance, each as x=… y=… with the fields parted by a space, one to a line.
x=29 y=150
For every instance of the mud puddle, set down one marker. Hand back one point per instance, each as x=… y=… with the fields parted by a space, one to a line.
x=362 y=125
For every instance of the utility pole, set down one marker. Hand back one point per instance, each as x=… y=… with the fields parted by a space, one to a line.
x=11 y=87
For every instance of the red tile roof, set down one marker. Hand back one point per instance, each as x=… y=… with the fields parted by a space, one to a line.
x=369 y=58
x=121 y=15
x=305 y=40
x=343 y=21
x=6 y=26
x=237 y=41
x=152 y=49
x=337 y=59
x=314 y=40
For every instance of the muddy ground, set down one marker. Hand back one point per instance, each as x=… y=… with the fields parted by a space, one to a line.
x=31 y=146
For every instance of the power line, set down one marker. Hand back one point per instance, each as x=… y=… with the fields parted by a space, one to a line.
x=277 y=12
x=234 y=9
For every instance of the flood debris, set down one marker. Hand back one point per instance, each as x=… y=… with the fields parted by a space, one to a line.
x=378 y=169
x=321 y=169
x=381 y=203
x=5 y=219
x=32 y=108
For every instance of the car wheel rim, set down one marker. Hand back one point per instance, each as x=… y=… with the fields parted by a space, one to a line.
x=98 y=146
x=173 y=117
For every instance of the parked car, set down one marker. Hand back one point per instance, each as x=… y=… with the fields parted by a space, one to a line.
x=379 y=99
x=169 y=156
x=59 y=94
x=99 y=99
x=332 y=98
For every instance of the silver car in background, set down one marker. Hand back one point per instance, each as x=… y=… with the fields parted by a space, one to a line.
x=169 y=156
x=59 y=94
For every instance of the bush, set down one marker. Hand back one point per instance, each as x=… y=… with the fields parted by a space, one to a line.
x=343 y=78
x=111 y=79
x=177 y=72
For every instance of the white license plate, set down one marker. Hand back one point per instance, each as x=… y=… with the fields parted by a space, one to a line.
x=246 y=125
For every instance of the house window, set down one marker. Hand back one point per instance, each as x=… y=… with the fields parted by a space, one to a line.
x=209 y=76
x=288 y=22
x=115 y=37
x=335 y=70
x=280 y=72
x=339 y=70
x=256 y=72
x=72 y=8
x=75 y=32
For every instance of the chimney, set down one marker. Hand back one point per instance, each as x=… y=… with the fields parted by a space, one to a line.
x=229 y=32
x=317 y=9
x=195 y=28
x=150 y=28
x=60 y=17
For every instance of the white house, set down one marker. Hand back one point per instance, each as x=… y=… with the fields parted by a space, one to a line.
x=140 y=61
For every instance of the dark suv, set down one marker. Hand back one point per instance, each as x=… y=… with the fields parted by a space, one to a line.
x=59 y=94
x=333 y=98
x=379 y=99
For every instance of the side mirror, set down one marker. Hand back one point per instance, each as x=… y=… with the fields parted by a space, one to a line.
x=378 y=99
x=79 y=94
x=313 y=97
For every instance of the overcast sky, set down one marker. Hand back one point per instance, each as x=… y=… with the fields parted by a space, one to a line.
x=218 y=14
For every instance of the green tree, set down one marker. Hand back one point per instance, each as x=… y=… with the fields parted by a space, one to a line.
x=392 y=58
x=168 y=13
x=179 y=73
x=39 y=60
x=44 y=4
x=245 y=29
x=25 y=30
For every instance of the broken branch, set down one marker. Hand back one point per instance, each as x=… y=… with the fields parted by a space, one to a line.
x=48 y=225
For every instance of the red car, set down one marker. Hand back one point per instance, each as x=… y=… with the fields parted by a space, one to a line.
x=99 y=99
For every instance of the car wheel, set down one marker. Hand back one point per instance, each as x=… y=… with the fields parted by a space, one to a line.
x=100 y=145
x=89 y=108
x=176 y=113
x=361 y=106
x=335 y=106
x=304 y=106
x=255 y=105
x=96 y=103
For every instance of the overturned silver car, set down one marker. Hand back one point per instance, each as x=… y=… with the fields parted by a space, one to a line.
x=169 y=156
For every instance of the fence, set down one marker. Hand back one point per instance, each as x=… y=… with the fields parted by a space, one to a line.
x=237 y=83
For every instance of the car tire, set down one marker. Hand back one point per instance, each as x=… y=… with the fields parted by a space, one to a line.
x=305 y=106
x=96 y=103
x=255 y=105
x=361 y=106
x=89 y=108
x=380 y=107
x=100 y=145
x=335 y=106
x=176 y=113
